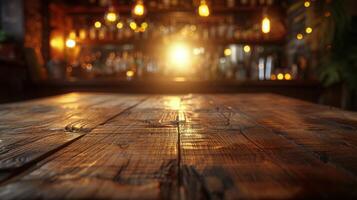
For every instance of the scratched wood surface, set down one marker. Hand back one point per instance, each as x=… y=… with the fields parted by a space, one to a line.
x=117 y=146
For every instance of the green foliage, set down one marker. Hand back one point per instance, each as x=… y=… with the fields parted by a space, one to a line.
x=2 y=36
x=337 y=47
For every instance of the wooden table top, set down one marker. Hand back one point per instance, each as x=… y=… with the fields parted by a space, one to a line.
x=248 y=146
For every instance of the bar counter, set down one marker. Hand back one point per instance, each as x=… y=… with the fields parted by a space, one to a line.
x=189 y=146
x=305 y=90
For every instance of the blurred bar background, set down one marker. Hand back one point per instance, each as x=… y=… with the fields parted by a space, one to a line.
x=299 y=48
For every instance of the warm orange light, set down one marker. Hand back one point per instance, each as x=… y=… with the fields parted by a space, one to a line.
x=70 y=43
x=198 y=51
x=308 y=30
x=57 y=43
x=133 y=25
x=179 y=79
x=203 y=9
x=144 y=25
x=307 y=4
x=82 y=34
x=72 y=35
x=246 y=48
x=129 y=73
x=280 y=76
x=173 y=103
x=287 y=76
x=179 y=55
x=120 y=25
x=111 y=16
x=227 y=52
x=97 y=24
x=266 y=25
x=299 y=36
x=273 y=77
x=139 y=8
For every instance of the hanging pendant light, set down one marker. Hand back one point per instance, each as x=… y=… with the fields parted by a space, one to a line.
x=111 y=16
x=203 y=9
x=139 y=8
x=266 y=25
x=265 y=22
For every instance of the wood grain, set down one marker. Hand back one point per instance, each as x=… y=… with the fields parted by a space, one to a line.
x=117 y=146
x=233 y=156
x=32 y=129
x=328 y=133
x=131 y=156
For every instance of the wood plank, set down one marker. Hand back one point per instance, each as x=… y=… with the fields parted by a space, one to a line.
x=227 y=154
x=31 y=130
x=131 y=156
x=107 y=146
x=329 y=133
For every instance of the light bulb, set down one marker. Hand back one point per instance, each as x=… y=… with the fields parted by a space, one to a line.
x=139 y=8
x=280 y=76
x=227 y=52
x=97 y=24
x=246 y=48
x=130 y=73
x=203 y=9
x=287 y=76
x=133 y=25
x=111 y=16
x=120 y=25
x=70 y=43
x=144 y=25
x=299 y=36
x=266 y=25
x=308 y=30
